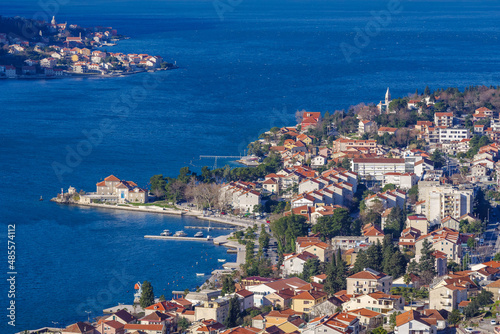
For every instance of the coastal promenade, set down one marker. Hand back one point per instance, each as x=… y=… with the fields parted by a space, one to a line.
x=229 y=220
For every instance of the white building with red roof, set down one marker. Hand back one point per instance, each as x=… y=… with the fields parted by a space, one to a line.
x=368 y=281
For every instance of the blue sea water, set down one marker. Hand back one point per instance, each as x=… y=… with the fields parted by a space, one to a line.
x=245 y=66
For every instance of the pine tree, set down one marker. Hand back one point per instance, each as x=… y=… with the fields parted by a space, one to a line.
x=340 y=272
x=374 y=256
x=233 y=313
x=329 y=286
x=361 y=262
x=427 y=91
x=147 y=296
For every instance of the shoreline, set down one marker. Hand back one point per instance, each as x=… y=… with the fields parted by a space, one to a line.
x=166 y=211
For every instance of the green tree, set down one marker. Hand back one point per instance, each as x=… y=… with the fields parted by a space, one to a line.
x=426 y=264
x=496 y=257
x=287 y=229
x=427 y=91
x=413 y=194
x=162 y=298
x=379 y=330
x=227 y=285
x=183 y=324
x=311 y=268
x=454 y=317
x=395 y=222
x=339 y=223
x=438 y=158
x=147 y=296
x=233 y=313
x=158 y=185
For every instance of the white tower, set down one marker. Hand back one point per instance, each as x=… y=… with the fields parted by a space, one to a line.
x=387 y=96
x=53 y=22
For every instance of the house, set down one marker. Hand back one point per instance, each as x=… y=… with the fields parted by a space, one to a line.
x=146 y=329
x=294 y=263
x=338 y=322
x=345 y=144
x=209 y=326
x=319 y=161
x=48 y=62
x=10 y=71
x=80 y=328
x=162 y=307
x=444 y=240
x=443 y=119
x=111 y=327
x=246 y=299
x=373 y=233
x=376 y=301
x=121 y=316
x=348 y=242
x=271 y=185
x=368 y=281
x=408 y=238
x=384 y=129
x=494 y=288
x=217 y=309
x=305 y=301
x=400 y=180
x=447 y=296
x=282 y=298
x=412 y=322
x=310 y=120
x=322 y=250
x=418 y=222
x=368 y=319
x=264 y=289
x=366 y=126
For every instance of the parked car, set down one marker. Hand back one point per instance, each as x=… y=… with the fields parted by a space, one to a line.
x=493 y=322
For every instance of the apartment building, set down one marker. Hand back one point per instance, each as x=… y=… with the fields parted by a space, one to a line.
x=376 y=168
x=368 y=281
x=443 y=119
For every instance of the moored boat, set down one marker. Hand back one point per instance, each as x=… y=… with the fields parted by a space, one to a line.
x=180 y=234
x=199 y=235
x=221 y=260
x=166 y=233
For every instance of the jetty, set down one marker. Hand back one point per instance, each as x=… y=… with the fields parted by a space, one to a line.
x=210 y=228
x=162 y=237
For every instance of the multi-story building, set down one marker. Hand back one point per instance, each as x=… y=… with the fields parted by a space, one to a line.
x=344 y=144
x=217 y=309
x=375 y=301
x=449 y=135
x=443 y=201
x=368 y=281
x=447 y=296
x=376 y=168
x=445 y=240
x=443 y=119
x=305 y=301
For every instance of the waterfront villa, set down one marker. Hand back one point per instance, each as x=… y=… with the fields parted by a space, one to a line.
x=114 y=190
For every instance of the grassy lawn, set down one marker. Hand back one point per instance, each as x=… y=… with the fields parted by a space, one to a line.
x=162 y=204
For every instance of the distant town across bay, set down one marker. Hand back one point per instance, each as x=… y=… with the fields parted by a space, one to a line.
x=31 y=49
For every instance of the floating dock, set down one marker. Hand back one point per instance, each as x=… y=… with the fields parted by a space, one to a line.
x=161 y=237
x=210 y=228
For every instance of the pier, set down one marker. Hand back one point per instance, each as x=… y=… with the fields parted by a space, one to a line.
x=161 y=237
x=210 y=228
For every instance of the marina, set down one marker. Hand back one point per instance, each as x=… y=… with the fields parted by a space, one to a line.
x=162 y=237
x=210 y=228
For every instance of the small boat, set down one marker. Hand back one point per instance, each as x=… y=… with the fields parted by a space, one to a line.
x=200 y=274
x=221 y=260
x=199 y=235
x=166 y=233
x=180 y=234
x=41 y=198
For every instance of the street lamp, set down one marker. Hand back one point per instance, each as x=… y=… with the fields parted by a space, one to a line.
x=88 y=315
